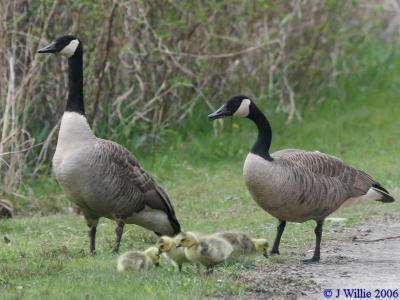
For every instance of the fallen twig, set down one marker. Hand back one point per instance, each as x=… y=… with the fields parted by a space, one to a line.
x=356 y=239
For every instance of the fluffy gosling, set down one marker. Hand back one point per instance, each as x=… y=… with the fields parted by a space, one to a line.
x=207 y=250
x=137 y=260
x=168 y=246
x=243 y=244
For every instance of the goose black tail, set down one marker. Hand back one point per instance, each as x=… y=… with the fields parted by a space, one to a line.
x=385 y=195
x=169 y=209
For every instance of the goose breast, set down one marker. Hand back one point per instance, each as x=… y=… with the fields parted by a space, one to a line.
x=100 y=178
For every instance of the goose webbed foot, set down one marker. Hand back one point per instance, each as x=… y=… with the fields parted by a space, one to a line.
x=118 y=231
x=279 y=232
x=311 y=260
x=275 y=252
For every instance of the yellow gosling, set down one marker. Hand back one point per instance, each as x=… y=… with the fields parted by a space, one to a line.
x=137 y=260
x=168 y=246
x=207 y=250
x=261 y=246
x=243 y=244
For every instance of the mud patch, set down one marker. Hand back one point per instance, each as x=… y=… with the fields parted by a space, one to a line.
x=279 y=282
x=346 y=262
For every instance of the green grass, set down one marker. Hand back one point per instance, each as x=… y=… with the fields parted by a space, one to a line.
x=47 y=257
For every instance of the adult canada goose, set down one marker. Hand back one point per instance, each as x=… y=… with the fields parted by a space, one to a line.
x=297 y=185
x=137 y=260
x=243 y=244
x=206 y=250
x=102 y=177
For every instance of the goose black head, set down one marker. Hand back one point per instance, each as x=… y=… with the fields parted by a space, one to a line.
x=238 y=106
x=66 y=45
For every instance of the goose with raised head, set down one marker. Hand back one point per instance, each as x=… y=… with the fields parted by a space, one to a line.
x=297 y=185
x=102 y=177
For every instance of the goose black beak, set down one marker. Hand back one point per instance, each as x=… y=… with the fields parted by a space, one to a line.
x=178 y=246
x=266 y=255
x=51 y=48
x=157 y=264
x=222 y=112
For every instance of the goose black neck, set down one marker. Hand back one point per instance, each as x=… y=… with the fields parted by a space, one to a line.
x=261 y=146
x=75 y=84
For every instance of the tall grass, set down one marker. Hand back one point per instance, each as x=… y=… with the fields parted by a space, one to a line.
x=150 y=67
x=359 y=124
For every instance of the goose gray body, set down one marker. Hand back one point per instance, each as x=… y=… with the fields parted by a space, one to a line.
x=105 y=179
x=298 y=185
x=102 y=177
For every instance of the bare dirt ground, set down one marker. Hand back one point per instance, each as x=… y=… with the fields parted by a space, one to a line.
x=353 y=256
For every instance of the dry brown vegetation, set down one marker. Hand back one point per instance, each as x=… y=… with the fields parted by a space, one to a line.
x=149 y=63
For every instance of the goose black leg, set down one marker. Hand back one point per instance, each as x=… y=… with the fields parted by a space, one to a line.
x=92 y=239
x=92 y=224
x=279 y=232
x=118 y=231
x=210 y=269
x=318 y=237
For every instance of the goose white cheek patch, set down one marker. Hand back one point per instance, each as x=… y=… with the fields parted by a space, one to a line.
x=69 y=50
x=244 y=109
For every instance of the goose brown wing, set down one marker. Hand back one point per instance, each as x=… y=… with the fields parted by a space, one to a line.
x=154 y=196
x=330 y=166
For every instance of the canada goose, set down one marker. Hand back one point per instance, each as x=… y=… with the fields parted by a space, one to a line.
x=242 y=243
x=6 y=209
x=136 y=260
x=297 y=185
x=206 y=250
x=102 y=177
x=168 y=246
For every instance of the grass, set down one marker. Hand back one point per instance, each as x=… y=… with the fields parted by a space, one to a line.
x=47 y=256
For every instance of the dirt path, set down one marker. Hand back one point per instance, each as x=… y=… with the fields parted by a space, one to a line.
x=364 y=265
x=346 y=263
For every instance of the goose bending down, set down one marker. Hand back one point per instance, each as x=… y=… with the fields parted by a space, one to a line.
x=243 y=244
x=206 y=250
x=297 y=185
x=168 y=246
x=137 y=260
x=102 y=177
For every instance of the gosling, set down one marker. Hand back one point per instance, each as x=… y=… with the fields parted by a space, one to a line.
x=168 y=246
x=139 y=260
x=243 y=244
x=207 y=250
